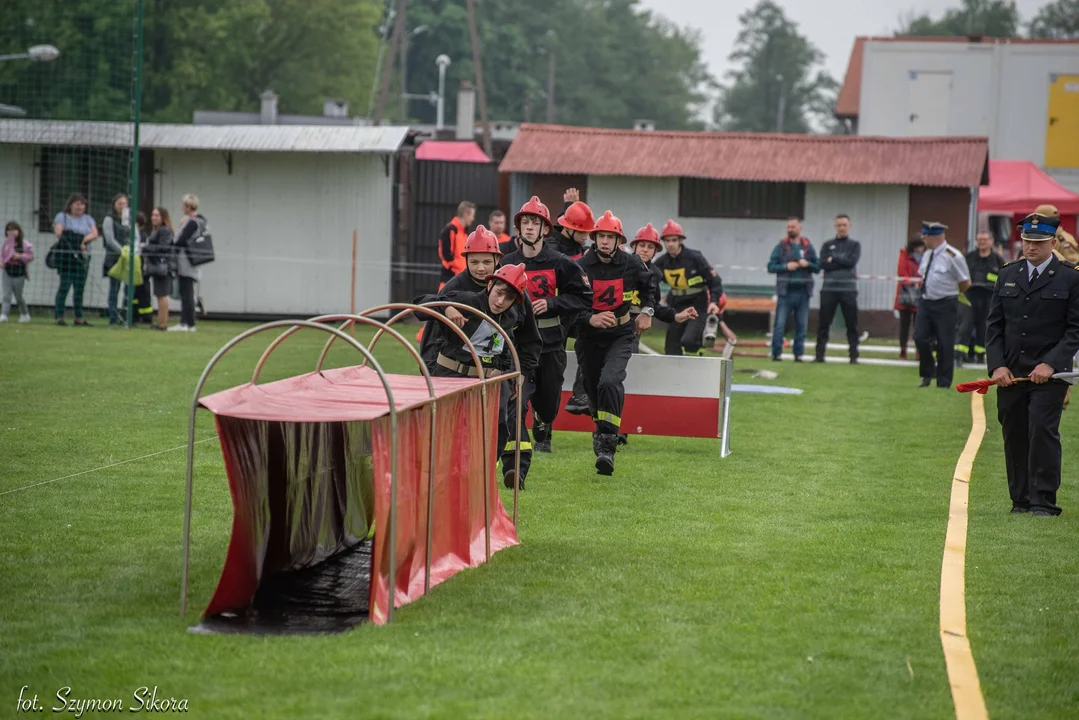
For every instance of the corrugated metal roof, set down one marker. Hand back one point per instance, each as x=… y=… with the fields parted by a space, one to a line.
x=848 y=103
x=845 y=159
x=255 y=138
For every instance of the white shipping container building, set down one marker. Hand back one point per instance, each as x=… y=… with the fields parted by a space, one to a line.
x=282 y=203
x=732 y=192
x=1021 y=94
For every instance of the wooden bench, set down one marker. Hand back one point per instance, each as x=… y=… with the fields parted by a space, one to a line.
x=750 y=298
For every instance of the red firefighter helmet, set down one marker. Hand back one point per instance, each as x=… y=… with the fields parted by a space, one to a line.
x=672 y=229
x=533 y=207
x=578 y=216
x=647 y=234
x=609 y=223
x=513 y=275
x=482 y=240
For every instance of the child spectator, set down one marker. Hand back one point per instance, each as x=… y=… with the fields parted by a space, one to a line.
x=75 y=230
x=15 y=255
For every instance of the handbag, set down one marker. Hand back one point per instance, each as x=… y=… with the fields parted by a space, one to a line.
x=909 y=295
x=200 y=249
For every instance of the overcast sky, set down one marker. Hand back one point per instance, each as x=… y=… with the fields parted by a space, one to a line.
x=831 y=25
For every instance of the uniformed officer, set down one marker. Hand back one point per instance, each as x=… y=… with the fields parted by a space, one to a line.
x=984 y=264
x=945 y=275
x=605 y=339
x=694 y=283
x=1033 y=332
x=560 y=296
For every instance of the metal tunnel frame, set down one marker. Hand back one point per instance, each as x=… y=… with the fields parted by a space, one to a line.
x=405 y=310
x=195 y=406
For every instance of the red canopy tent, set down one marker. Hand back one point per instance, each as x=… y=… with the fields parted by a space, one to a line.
x=1016 y=187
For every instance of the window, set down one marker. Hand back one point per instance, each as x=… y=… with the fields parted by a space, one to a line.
x=99 y=173
x=740 y=199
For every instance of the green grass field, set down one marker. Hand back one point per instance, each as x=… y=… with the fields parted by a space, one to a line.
x=798 y=578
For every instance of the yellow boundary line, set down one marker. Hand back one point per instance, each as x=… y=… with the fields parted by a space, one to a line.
x=962 y=673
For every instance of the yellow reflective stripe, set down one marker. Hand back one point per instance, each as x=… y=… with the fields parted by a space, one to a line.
x=633 y=297
x=979 y=349
x=607 y=417
x=991 y=277
x=696 y=280
x=510 y=446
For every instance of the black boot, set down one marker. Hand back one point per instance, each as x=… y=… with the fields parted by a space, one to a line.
x=623 y=439
x=541 y=436
x=578 y=405
x=509 y=476
x=604 y=447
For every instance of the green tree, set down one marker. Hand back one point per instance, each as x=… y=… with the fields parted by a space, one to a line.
x=776 y=68
x=1058 y=20
x=614 y=62
x=991 y=18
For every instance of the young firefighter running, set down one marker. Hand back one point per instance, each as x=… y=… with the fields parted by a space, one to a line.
x=571 y=234
x=694 y=284
x=481 y=254
x=605 y=340
x=645 y=245
x=505 y=300
x=560 y=294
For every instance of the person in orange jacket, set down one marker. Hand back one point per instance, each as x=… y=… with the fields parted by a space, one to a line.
x=451 y=242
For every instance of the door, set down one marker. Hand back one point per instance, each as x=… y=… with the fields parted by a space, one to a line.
x=929 y=103
x=1062 y=134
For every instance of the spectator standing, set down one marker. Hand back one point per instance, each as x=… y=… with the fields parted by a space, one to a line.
x=1033 y=331
x=75 y=230
x=945 y=275
x=159 y=263
x=115 y=233
x=839 y=288
x=16 y=253
x=451 y=242
x=794 y=260
x=909 y=290
x=983 y=264
x=191 y=227
x=497 y=224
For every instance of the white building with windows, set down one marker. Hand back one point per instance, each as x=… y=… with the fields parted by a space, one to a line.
x=283 y=203
x=1021 y=94
x=733 y=192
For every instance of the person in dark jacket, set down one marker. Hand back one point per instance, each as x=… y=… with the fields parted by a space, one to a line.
x=504 y=300
x=1033 y=332
x=908 y=290
x=839 y=287
x=115 y=233
x=794 y=260
x=159 y=263
x=645 y=245
x=560 y=295
x=694 y=283
x=984 y=264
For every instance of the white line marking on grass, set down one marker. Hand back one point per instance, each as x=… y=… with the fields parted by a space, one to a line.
x=962 y=673
x=647 y=350
x=106 y=467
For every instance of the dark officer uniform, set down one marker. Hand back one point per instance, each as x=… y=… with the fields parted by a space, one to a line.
x=1033 y=321
x=555 y=278
x=943 y=269
x=603 y=354
x=693 y=284
x=972 y=318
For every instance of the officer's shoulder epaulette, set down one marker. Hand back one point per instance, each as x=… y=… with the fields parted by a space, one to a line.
x=952 y=251
x=1008 y=264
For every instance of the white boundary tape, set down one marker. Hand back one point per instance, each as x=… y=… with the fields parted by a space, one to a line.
x=105 y=467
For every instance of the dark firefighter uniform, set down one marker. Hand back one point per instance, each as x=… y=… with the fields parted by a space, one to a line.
x=454 y=360
x=943 y=270
x=555 y=278
x=1034 y=319
x=972 y=318
x=693 y=284
x=604 y=353
x=576 y=216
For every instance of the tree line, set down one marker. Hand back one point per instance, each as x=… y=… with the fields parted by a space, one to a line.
x=614 y=62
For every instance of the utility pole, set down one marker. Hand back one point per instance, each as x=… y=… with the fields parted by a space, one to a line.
x=478 y=63
x=387 y=71
x=550 y=86
x=134 y=204
x=782 y=104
